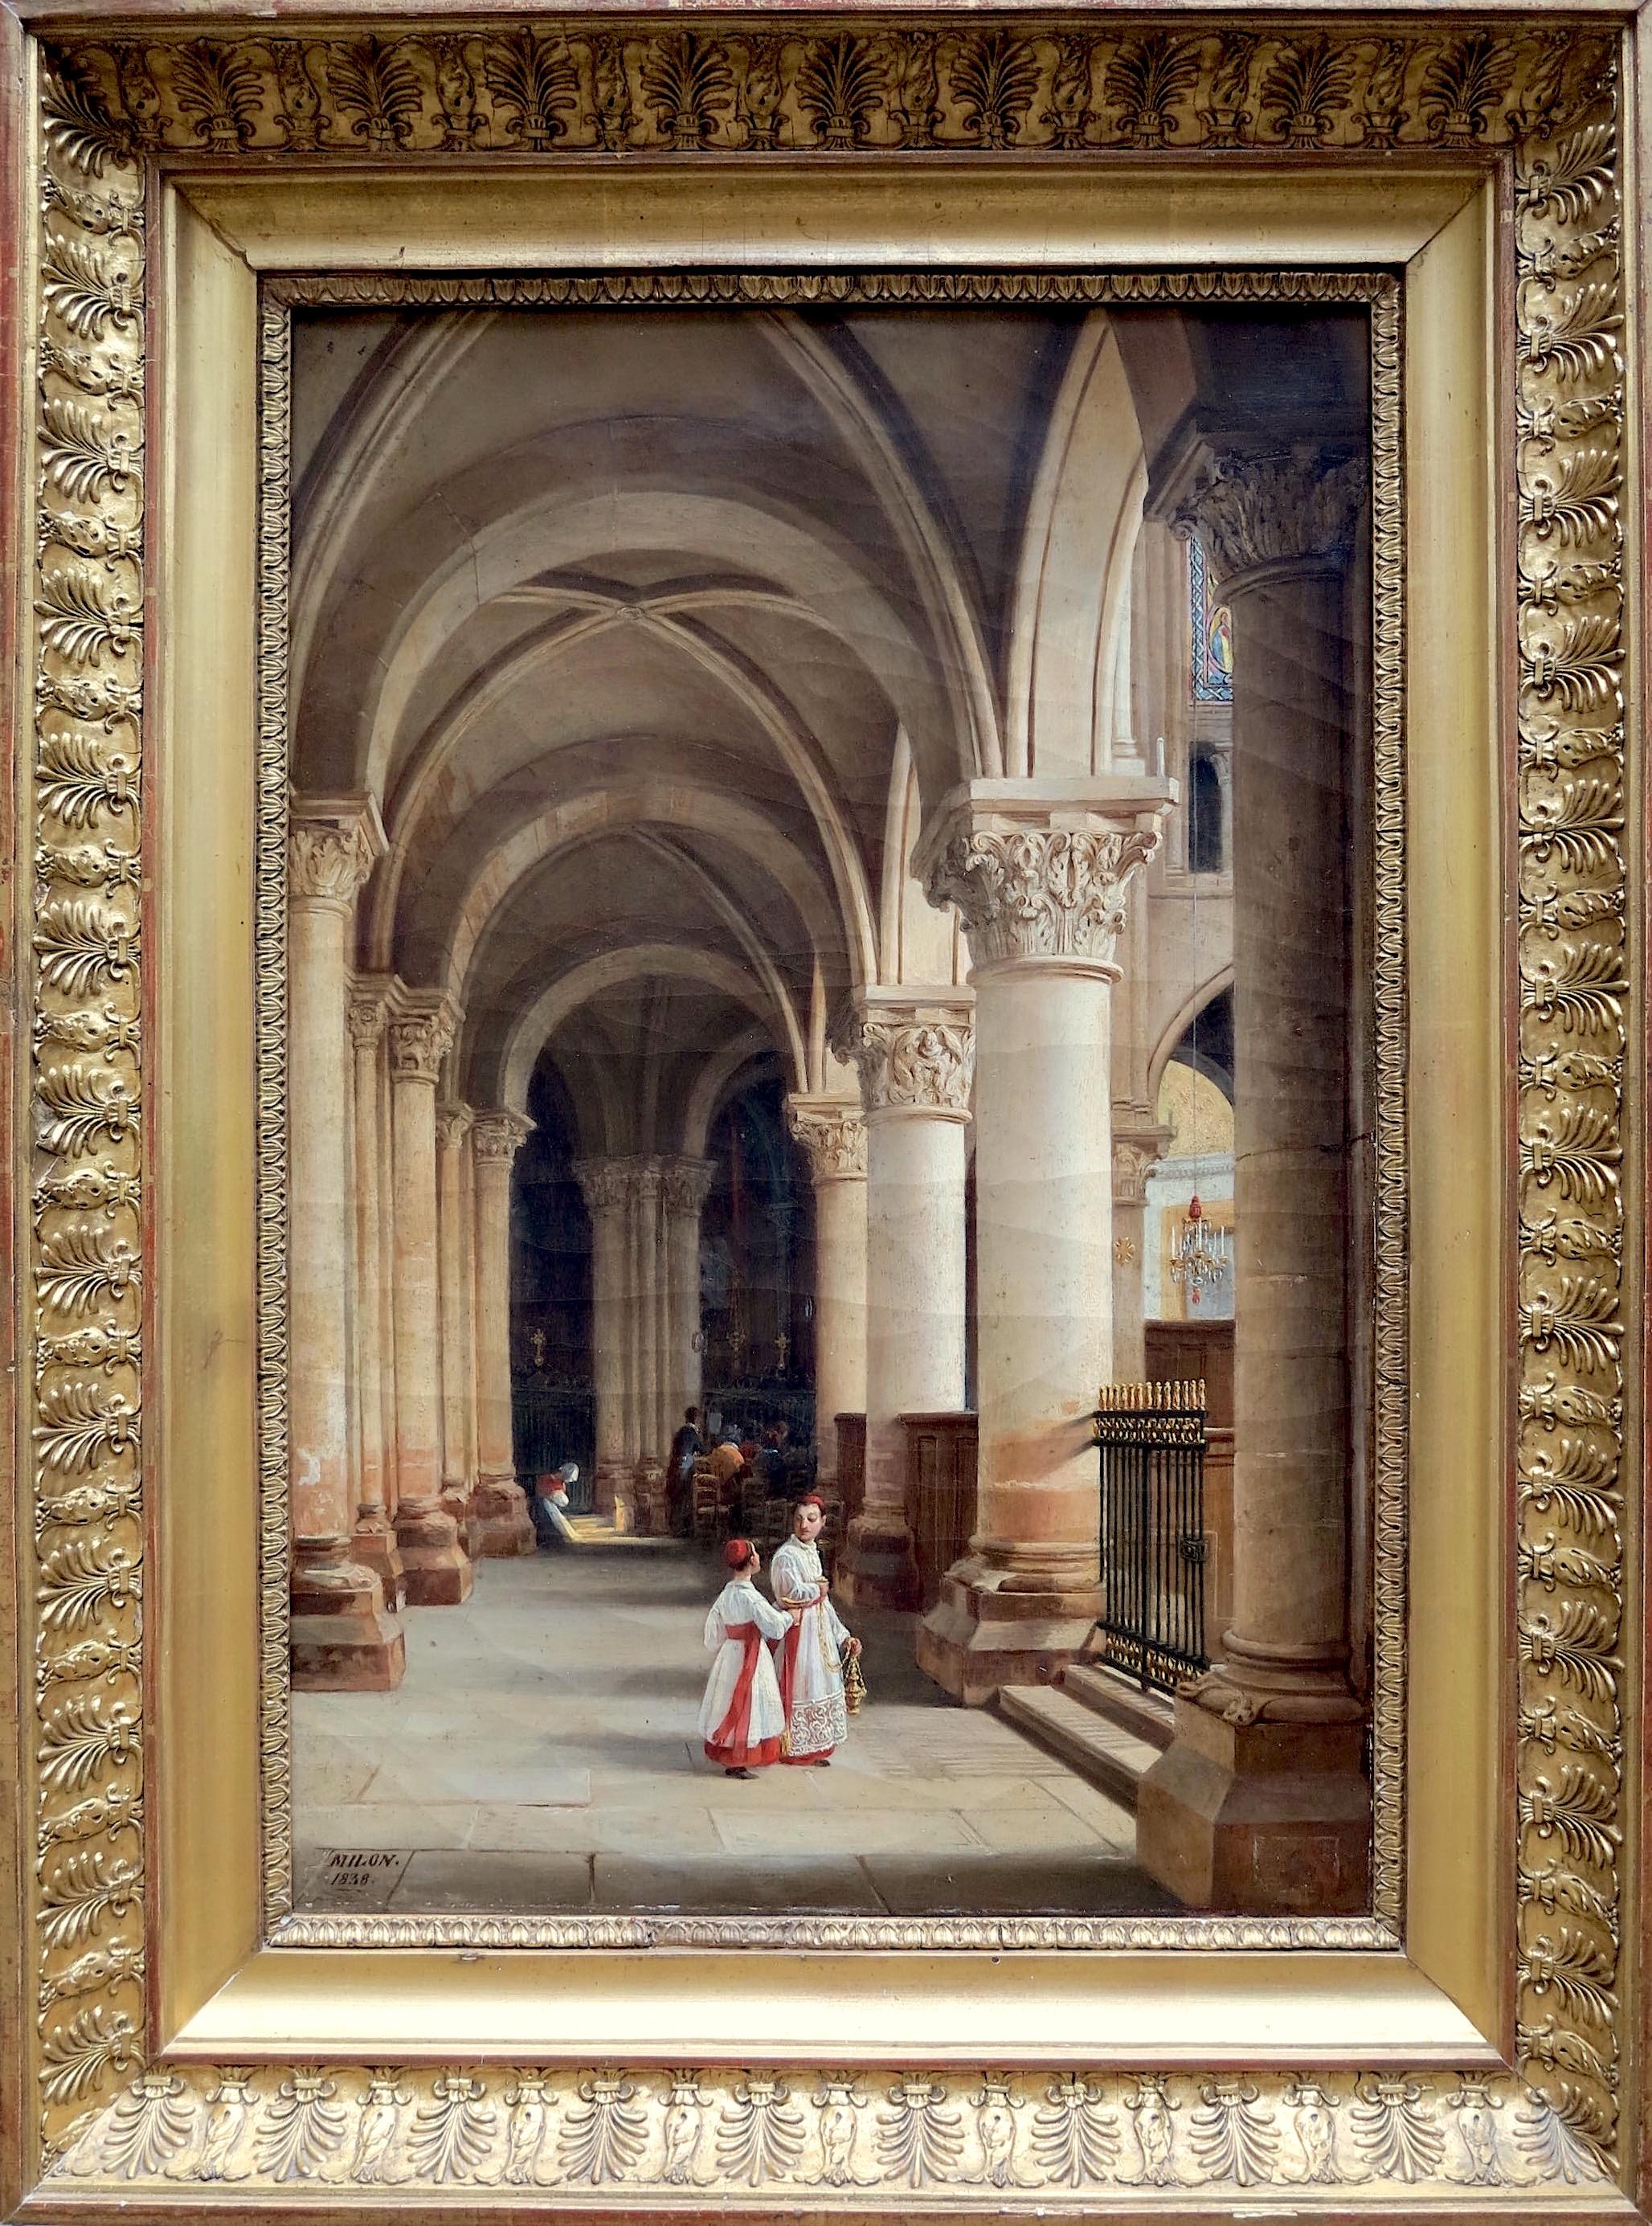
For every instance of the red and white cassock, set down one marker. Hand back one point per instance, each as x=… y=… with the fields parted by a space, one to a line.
x=742 y=1719
x=810 y=1656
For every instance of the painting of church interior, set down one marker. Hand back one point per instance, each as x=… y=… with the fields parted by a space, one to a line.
x=828 y=1110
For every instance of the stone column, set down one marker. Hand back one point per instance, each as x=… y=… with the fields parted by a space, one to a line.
x=384 y=1238
x=344 y=1635
x=1136 y=1152
x=833 y=1133
x=684 y=1183
x=452 y=1128
x=1039 y=871
x=498 y=1506
x=1261 y=1803
x=375 y=1536
x=643 y=1339
x=916 y=1055
x=606 y=1186
x=439 y=1572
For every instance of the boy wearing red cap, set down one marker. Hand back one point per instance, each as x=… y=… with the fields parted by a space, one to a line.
x=742 y=1720
x=811 y=1654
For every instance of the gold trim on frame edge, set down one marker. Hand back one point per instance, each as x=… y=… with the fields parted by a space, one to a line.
x=615 y=2140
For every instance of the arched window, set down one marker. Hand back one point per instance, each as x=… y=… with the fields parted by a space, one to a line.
x=1203 y=816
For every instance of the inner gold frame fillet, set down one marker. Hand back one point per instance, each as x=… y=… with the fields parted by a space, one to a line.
x=173 y=2058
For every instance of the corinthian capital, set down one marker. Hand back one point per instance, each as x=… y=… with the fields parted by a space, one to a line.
x=333 y=844
x=683 y=1185
x=421 y=1036
x=606 y=1184
x=453 y=1124
x=1040 y=873
x=498 y=1137
x=833 y=1133
x=915 y=1054
x=1296 y=509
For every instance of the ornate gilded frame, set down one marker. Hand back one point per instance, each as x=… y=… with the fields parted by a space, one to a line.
x=172 y=2059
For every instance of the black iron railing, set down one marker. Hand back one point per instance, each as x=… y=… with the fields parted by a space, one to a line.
x=1151 y=1441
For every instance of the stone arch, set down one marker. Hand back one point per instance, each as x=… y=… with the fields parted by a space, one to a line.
x=640 y=801
x=362 y=452
x=829 y=373
x=712 y=1083
x=1072 y=592
x=533 y=1028
x=1180 y=1021
x=818 y=569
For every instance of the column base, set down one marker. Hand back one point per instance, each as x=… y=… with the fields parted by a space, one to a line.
x=374 y=1547
x=500 y=1524
x=455 y=1497
x=612 y=1479
x=439 y=1571
x=1258 y=1817
x=344 y=1638
x=877 y=1567
x=989 y=1629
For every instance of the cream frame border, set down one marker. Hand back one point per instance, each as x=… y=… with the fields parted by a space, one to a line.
x=1251 y=2062
x=1380 y=1023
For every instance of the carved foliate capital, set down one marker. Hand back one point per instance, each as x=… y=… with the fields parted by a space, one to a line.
x=1037 y=875
x=606 y=1184
x=496 y=1138
x=453 y=1124
x=1135 y=1154
x=420 y=1038
x=1297 y=508
x=333 y=845
x=683 y=1185
x=913 y=1056
x=367 y=1014
x=833 y=1133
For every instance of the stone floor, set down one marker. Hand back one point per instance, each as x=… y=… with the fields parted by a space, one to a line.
x=540 y=1757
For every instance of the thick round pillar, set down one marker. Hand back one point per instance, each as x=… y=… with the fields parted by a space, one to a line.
x=375 y=1536
x=1261 y=1803
x=644 y=1308
x=916 y=1059
x=833 y=1134
x=456 y=1278
x=439 y=1572
x=344 y=1635
x=501 y=1522
x=606 y=1188
x=1040 y=874
x=684 y=1183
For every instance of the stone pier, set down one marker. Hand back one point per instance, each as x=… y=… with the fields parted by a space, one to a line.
x=1040 y=871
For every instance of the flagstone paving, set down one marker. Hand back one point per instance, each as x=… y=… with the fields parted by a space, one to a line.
x=541 y=1757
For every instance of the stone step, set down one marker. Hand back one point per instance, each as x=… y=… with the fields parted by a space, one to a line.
x=1148 y=1716
x=1099 y=1751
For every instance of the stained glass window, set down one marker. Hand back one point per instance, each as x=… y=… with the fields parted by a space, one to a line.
x=1211 y=634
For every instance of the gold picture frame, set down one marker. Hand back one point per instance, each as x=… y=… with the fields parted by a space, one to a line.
x=1481 y=2057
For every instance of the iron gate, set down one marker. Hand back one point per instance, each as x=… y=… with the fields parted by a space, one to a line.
x=1152 y=1450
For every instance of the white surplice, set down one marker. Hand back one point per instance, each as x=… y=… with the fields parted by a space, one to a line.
x=812 y=1668
x=741 y=1602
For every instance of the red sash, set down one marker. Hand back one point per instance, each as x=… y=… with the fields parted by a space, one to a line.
x=730 y=1743
x=785 y=1663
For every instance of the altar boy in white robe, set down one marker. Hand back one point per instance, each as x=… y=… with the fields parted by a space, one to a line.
x=742 y=1721
x=810 y=1656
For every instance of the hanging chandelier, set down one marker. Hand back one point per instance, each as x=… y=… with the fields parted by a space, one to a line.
x=1199 y=1253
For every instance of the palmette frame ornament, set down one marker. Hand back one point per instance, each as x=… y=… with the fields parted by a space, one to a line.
x=111 y=2126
